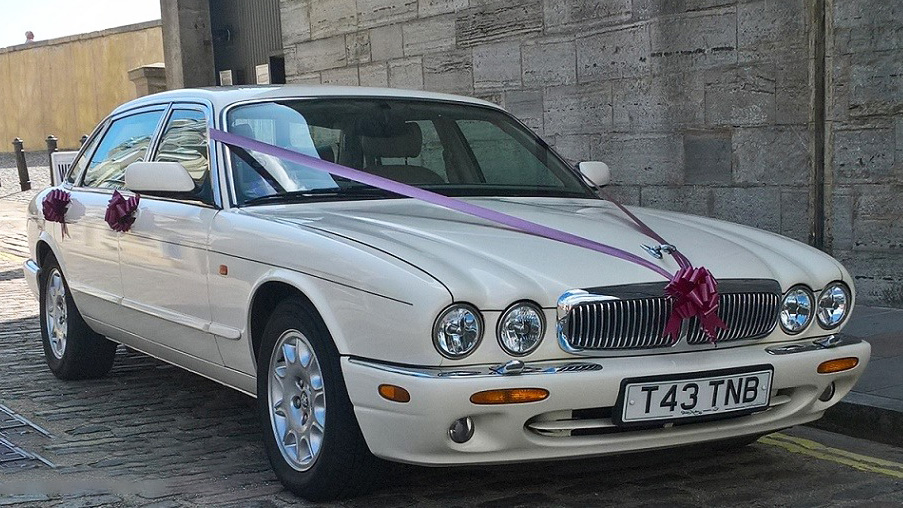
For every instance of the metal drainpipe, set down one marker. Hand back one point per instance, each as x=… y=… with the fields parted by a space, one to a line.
x=818 y=119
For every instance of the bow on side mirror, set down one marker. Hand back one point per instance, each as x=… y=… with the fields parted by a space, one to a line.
x=596 y=172
x=158 y=178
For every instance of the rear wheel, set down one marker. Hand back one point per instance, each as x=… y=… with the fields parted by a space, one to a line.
x=71 y=348
x=312 y=438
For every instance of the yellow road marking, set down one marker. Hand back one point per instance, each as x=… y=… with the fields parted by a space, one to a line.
x=820 y=451
x=6 y=256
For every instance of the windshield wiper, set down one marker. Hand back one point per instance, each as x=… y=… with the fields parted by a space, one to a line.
x=327 y=193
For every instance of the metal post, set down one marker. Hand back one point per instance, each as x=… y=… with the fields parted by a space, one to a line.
x=83 y=139
x=51 y=147
x=24 y=182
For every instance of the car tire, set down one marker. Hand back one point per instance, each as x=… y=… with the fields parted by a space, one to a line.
x=72 y=349
x=308 y=405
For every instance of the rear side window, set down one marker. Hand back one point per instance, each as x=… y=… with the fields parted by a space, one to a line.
x=184 y=141
x=125 y=142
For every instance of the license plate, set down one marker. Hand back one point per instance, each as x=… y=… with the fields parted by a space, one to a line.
x=709 y=394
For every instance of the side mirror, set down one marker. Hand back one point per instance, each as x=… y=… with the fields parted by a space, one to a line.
x=158 y=177
x=596 y=172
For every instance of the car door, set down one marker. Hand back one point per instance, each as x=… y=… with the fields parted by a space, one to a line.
x=164 y=254
x=90 y=252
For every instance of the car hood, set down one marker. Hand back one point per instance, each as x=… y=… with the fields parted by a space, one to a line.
x=490 y=265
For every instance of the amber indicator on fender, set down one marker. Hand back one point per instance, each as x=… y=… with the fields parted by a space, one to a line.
x=510 y=396
x=837 y=365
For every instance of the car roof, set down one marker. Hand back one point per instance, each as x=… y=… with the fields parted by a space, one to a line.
x=222 y=96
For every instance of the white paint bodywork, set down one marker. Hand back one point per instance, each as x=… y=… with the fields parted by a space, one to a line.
x=380 y=271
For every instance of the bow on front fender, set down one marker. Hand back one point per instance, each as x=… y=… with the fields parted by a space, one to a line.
x=694 y=293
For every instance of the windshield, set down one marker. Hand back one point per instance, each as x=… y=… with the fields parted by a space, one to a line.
x=452 y=149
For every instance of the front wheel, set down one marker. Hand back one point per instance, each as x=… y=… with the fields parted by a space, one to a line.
x=312 y=438
x=72 y=349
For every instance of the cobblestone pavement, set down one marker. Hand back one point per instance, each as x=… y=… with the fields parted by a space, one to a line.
x=152 y=434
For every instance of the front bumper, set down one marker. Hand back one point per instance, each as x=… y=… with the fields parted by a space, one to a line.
x=32 y=270
x=417 y=432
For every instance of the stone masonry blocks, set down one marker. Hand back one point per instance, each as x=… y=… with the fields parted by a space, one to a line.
x=497 y=65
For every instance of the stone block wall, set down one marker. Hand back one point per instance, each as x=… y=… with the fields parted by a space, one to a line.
x=865 y=144
x=702 y=106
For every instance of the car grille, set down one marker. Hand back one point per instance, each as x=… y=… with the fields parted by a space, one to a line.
x=747 y=315
x=634 y=317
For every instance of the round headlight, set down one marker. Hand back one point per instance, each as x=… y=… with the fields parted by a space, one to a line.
x=833 y=303
x=458 y=331
x=796 y=310
x=520 y=329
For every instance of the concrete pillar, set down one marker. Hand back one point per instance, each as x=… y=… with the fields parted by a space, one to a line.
x=148 y=79
x=187 y=43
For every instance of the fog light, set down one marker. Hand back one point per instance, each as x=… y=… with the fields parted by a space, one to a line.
x=838 y=365
x=509 y=396
x=394 y=393
x=828 y=394
x=461 y=430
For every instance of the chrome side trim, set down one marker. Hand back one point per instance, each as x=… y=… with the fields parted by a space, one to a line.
x=183 y=319
x=553 y=367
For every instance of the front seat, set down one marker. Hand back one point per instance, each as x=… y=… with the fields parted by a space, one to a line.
x=406 y=143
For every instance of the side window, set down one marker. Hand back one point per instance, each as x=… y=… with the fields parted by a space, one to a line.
x=185 y=141
x=502 y=159
x=79 y=164
x=125 y=142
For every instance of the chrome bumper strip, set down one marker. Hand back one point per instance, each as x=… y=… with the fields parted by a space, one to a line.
x=545 y=367
x=829 y=342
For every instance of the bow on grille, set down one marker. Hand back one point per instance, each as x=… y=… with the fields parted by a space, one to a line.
x=120 y=212
x=694 y=292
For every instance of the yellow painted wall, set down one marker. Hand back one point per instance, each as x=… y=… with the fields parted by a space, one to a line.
x=66 y=86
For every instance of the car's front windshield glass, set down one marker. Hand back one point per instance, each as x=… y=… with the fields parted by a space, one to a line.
x=452 y=149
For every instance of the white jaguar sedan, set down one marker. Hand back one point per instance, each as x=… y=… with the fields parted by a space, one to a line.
x=372 y=323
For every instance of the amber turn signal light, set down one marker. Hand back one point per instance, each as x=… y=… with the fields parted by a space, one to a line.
x=394 y=393
x=838 y=365
x=509 y=396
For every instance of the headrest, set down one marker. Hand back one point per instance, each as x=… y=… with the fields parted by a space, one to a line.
x=242 y=129
x=404 y=142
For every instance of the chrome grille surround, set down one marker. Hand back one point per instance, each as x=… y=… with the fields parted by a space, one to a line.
x=632 y=318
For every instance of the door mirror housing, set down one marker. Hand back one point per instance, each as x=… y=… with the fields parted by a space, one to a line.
x=158 y=178
x=596 y=172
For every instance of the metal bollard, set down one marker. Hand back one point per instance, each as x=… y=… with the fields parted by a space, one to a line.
x=83 y=139
x=51 y=147
x=24 y=182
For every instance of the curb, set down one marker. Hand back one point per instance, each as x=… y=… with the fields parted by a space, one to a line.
x=865 y=416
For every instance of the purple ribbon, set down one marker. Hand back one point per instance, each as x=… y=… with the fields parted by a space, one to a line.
x=120 y=212
x=711 y=298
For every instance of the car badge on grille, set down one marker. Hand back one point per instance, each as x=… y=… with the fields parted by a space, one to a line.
x=656 y=250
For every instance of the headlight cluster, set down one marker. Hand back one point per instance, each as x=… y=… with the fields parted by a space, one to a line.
x=799 y=306
x=459 y=329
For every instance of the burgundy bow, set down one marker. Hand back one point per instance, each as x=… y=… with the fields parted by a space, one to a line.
x=55 y=204
x=694 y=292
x=120 y=212
x=54 y=207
